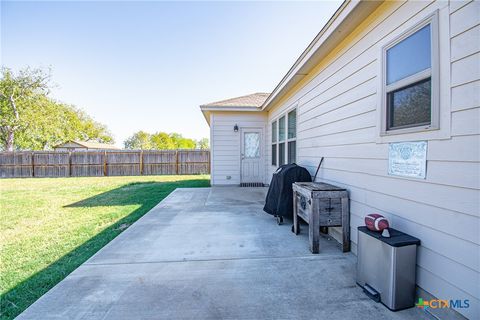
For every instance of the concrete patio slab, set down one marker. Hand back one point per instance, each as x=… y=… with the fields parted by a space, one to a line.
x=212 y=253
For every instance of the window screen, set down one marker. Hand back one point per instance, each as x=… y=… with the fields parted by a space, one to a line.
x=281 y=153
x=292 y=151
x=292 y=124
x=274 y=131
x=281 y=129
x=410 y=105
x=274 y=154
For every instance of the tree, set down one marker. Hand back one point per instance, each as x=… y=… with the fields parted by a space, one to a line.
x=48 y=123
x=159 y=141
x=162 y=141
x=29 y=119
x=17 y=93
x=139 y=140
x=90 y=129
x=182 y=143
x=203 y=144
x=41 y=125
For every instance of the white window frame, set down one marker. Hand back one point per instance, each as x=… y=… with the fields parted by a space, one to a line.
x=286 y=140
x=432 y=73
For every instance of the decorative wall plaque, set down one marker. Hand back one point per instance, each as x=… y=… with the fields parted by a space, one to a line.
x=408 y=159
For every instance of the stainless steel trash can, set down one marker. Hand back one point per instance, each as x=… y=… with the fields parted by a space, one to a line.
x=386 y=267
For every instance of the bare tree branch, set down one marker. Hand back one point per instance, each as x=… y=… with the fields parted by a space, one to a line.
x=14 y=106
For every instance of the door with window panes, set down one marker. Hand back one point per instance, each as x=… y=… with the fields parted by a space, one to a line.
x=251 y=157
x=284 y=139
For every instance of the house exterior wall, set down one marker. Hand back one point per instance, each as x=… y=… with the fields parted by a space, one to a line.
x=337 y=118
x=225 y=144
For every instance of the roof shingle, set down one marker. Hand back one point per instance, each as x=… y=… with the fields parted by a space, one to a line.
x=90 y=145
x=251 y=100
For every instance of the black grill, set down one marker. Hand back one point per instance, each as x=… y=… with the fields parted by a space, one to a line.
x=279 y=201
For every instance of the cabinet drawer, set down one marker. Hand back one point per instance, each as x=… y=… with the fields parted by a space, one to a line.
x=330 y=211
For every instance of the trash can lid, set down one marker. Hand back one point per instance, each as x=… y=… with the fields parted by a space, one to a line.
x=397 y=238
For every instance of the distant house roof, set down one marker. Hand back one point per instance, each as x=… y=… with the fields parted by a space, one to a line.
x=251 y=100
x=89 y=145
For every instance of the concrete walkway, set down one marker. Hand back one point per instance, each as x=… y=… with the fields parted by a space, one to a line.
x=212 y=254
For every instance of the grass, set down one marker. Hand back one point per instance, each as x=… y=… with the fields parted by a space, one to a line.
x=48 y=227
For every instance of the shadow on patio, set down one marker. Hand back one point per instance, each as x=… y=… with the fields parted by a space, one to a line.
x=199 y=255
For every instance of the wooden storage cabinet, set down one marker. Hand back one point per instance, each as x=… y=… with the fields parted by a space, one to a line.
x=321 y=205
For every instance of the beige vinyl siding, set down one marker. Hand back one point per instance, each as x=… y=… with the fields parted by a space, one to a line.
x=225 y=145
x=337 y=119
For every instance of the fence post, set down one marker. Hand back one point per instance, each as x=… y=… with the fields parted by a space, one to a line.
x=33 y=164
x=69 y=164
x=104 y=163
x=209 y=162
x=176 y=155
x=141 y=162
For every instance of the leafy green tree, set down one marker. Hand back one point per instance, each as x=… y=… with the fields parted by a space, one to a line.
x=182 y=143
x=42 y=125
x=203 y=144
x=48 y=123
x=18 y=93
x=139 y=140
x=162 y=141
x=90 y=129
x=29 y=119
x=159 y=141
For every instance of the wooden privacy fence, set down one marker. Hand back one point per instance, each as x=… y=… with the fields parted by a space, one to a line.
x=103 y=163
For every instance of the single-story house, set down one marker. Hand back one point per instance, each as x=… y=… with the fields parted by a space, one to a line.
x=389 y=94
x=75 y=145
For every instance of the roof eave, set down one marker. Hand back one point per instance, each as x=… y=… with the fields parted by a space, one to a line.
x=230 y=108
x=343 y=21
x=206 y=110
x=206 y=115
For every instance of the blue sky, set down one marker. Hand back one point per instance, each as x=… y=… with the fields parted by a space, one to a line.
x=149 y=65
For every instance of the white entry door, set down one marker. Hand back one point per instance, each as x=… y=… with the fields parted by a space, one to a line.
x=252 y=156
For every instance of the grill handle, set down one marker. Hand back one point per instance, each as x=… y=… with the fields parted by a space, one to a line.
x=318 y=168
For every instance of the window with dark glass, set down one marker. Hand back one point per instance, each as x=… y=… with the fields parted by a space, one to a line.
x=409 y=81
x=292 y=124
x=284 y=139
x=281 y=140
x=292 y=151
x=281 y=129
x=281 y=153
x=292 y=136
x=274 y=143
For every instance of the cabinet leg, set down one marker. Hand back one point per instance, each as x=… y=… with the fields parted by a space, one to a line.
x=296 y=228
x=345 y=225
x=314 y=228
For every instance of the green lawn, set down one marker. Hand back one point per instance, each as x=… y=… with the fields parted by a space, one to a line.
x=49 y=226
